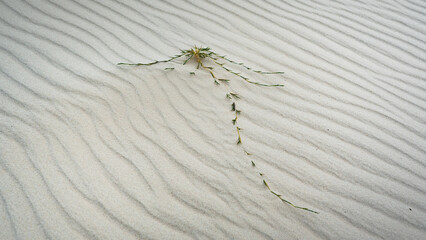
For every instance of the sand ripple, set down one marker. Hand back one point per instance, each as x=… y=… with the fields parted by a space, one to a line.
x=89 y=150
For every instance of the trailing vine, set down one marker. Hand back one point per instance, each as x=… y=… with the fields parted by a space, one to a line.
x=201 y=56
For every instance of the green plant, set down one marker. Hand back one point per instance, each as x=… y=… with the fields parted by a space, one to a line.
x=201 y=55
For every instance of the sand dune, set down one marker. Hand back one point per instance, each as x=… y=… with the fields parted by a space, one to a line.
x=90 y=150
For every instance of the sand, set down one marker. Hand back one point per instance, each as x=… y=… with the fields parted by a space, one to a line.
x=90 y=150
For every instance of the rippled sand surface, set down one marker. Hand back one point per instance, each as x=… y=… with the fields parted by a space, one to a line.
x=90 y=150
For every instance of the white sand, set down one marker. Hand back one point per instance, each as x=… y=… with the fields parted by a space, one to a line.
x=89 y=150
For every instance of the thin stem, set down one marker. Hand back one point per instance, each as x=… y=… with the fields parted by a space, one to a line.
x=286 y=201
x=243 y=65
x=155 y=62
x=245 y=78
x=190 y=56
x=209 y=69
x=239 y=136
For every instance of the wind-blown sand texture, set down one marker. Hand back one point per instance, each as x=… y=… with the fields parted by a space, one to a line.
x=89 y=150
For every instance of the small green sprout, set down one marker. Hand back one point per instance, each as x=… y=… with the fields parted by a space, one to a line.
x=203 y=54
